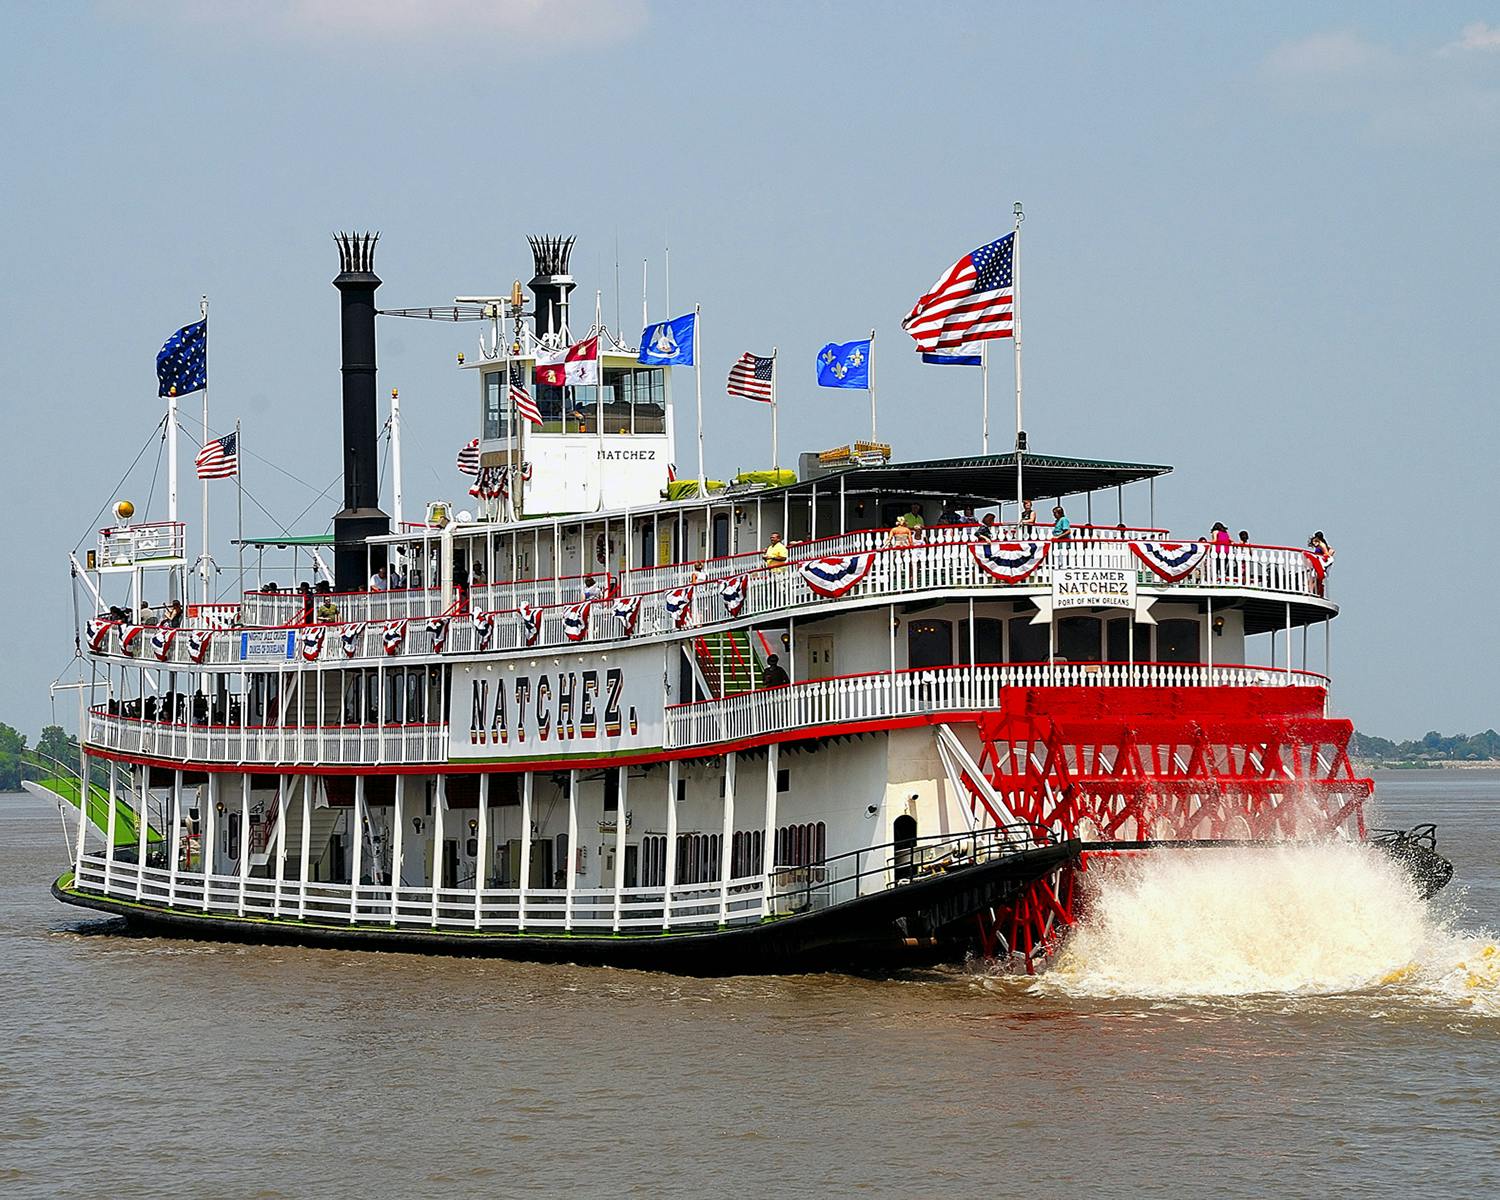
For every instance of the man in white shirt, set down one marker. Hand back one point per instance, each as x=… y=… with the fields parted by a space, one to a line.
x=377 y=580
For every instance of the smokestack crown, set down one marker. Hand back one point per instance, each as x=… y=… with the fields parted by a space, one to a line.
x=356 y=258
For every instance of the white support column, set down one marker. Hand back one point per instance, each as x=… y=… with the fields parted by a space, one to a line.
x=727 y=838
x=481 y=847
x=142 y=797
x=1208 y=640
x=176 y=838
x=439 y=802
x=398 y=834
x=109 y=828
x=525 y=880
x=244 y=846
x=620 y=821
x=768 y=848
x=83 y=803
x=207 y=845
x=357 y=858
x=571 y=866
x=283 y=794
x=306 y=849
x=673 y=770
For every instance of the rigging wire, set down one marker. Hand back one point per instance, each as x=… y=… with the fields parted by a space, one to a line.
x=115 y=491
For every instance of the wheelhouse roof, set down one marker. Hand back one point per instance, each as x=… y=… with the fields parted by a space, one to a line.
x=989 y=477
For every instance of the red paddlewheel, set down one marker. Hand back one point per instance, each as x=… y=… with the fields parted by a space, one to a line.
x=1142 y=764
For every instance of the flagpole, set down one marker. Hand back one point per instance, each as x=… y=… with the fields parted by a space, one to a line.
x=698 y=379
x=1016 y=338
x=239 y=480
x=873 y=436
x=204 y=561
x=775 y=456
x=984 y=393
x=396 y=455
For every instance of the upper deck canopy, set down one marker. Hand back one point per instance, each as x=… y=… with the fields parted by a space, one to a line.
x=989 y=478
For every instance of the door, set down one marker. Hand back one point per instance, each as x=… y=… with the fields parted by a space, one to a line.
x=720 y=545
x=929 y=643
x=820 y=657
x=450 y=862
x=904 y=833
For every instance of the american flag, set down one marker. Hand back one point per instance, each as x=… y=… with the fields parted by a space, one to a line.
x=220 y=459
x=752 y=377
x=974 y=300
x=468 y=458
x=525 y=405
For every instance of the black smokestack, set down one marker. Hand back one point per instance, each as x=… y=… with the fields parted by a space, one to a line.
x=552 y=283
x=361 y=516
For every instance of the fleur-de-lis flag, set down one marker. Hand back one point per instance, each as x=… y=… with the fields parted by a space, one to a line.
x=182 y=363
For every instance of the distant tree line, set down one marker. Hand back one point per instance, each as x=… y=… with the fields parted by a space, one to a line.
x=17 y=762
x=1433 y=747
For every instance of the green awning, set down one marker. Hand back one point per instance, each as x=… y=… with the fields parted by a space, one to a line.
x=283 y=540
x=988 y=477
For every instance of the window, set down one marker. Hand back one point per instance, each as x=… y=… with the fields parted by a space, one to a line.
x=745 y=854
x=698 y=857
x=1028 y=642
x=653 y=860
x=801 y=845
x=611 y=791
x=1078 y=639
x=988 y=641
x=496 y=410
x=1177 y=641
x=929 y=643
x=1118 y=634
x=784 y=780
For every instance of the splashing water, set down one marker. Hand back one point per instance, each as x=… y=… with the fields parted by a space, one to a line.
x=1307 y=919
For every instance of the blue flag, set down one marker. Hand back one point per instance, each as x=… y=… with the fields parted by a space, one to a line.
x=953 y=360
x=670 y=344
x=844 y=365
x=182 y=364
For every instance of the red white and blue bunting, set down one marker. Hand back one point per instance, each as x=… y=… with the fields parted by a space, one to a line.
x=394 y=636
x=531 y=623
x=437 y=629
x=161 y=642
x=732 y=591
x=835 y=577
x=679 y=604
x=1009 y=562
x=576 y=621
x=129 y=635
x=312 y=641
x=353 y=637
x=627 y=610
x=97 y=630
x=1171 y=560
x=198 y=642
x=484 y=629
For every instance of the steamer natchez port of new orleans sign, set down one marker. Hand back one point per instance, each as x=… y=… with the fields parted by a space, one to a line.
x=559 y=706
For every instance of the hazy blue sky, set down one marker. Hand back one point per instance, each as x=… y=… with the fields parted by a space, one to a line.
x=1261 y=245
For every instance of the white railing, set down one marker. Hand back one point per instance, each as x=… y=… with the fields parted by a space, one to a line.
x=593 y=910
x=926 y=567
x=131 y=545
x=270 y=745
x=854 y=699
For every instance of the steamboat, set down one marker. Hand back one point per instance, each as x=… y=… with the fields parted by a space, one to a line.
x=611 y=717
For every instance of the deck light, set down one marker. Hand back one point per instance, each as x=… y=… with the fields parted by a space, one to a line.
x=1218 y=627
x=460 y=358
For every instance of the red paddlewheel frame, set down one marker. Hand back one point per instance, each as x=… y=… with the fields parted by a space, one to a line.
x=1142 y=764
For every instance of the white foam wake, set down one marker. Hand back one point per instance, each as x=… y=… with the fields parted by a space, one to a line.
x=1309 y=919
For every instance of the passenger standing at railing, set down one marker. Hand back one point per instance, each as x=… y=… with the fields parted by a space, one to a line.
x=327 y=611
x=914 y=519
x=1318 y=547
x=988 y=530
x=594 y=590
x=776 y=553
x=378 y=580
x=1028 y=514
x=901 y=536
x=173 y=617
x=304 y=592
x=950 y=515
x=775 y=674
x=1221 y=538
x=1062 y=528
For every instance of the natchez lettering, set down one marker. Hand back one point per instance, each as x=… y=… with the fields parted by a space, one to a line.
x=636 y=455
x=564 y=707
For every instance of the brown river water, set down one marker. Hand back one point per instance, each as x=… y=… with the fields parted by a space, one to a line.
x=1295 y=1025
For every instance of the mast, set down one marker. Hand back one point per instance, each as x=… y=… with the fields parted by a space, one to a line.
x=1016 y=339
x=204 y=560
x=396 y=457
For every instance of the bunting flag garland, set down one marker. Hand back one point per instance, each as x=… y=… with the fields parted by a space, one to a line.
x=836 y=576
x=438 y=629
x=394 y=636
x=1009 y=562
x=627 y=610
x=128 y=637
x=1171 y=560
x=732 y=592
x=161 y=642
x=468 y=458
x=198 y=642
x=484 y=629
x=312 y=641
x=680 y=606
x=576 y=621
x=97 y=631
x=353 y=637
x=489 y=483
x=531 y=622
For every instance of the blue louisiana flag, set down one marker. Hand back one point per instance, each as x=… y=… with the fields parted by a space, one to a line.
x=844 y=365
x=671 y=343
x=182 y=363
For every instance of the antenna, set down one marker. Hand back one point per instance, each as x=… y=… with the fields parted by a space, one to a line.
x=645 y=314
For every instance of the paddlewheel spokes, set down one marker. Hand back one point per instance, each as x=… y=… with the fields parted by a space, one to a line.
x=1149 y=764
